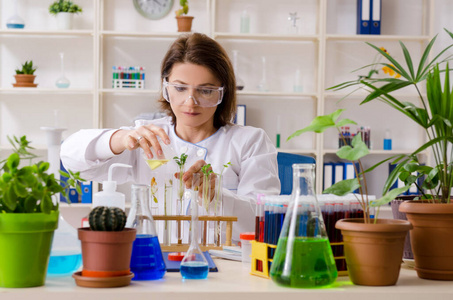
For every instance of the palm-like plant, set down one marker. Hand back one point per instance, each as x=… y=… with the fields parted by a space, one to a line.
x=434 y=115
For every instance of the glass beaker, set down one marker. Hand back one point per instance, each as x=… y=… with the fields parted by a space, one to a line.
x=66 y=254
x=147 y=262
x=194 y=265
x=159 y=160
x=62 y=82
x=303 y=258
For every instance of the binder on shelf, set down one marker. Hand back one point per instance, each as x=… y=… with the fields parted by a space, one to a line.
x=328 y=175
x=349 y=171
x=363 y=16
x=240 y=116
x=376 y=8
x=338 y=172
x=87 y=191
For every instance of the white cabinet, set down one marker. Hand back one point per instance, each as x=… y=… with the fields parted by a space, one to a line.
x=321 y=54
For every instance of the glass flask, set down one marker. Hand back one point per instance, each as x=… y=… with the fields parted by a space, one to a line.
x=62 y=82
x=239 y=82
x=303 y=258
x=147 y=262
x=194 y=265
x=66 y=254
x=15 y=21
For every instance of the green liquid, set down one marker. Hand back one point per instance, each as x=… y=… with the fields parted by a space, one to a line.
x=312 y=264
x=156 y=163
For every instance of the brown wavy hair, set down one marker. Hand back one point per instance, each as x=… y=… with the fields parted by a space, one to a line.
x=199 y=49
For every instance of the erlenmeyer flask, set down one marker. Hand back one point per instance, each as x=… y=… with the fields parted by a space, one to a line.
x=239 y=82
x=147 y=262
x=15 y=21
x=66 y=254
x=194 y=265
x=303 y=258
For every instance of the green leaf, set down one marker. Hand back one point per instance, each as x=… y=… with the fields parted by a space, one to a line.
x=30 y=204
x=19 y=189
x=343 y=187
x=10 y=199
x=155 y=199
x=46 y=204
x=13 y=162
x=358 y=150
x=389 y=196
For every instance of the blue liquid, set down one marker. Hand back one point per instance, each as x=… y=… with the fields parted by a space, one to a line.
x=387 y=144
x=147 y=262
x=194 y=270
x=62 y=85
x=61 y=264
x=15 y=25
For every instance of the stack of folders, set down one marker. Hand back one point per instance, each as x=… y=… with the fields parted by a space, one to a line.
x=413 y=190
x=337 y=171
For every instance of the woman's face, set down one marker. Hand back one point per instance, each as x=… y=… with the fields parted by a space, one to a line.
x=189 y=113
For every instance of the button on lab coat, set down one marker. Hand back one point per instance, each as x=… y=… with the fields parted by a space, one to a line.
x=253 y=160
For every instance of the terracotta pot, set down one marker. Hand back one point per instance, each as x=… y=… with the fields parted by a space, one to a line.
x=24 y=80
x=431 y=238
x=373 y=251
x=184 y=23
x=106 y=253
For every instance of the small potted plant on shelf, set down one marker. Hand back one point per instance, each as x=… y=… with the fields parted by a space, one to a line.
x=106 y=249
x=373 y=247
x=28 y=215
x=184 y=21
x=25 y=75
x=432 y=213
x=64 y=11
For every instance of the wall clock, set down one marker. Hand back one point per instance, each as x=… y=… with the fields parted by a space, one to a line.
x=153 y=9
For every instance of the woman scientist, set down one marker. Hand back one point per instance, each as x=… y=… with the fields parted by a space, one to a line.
x=199 y=96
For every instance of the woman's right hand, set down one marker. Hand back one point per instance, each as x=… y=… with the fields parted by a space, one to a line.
x=143 y=137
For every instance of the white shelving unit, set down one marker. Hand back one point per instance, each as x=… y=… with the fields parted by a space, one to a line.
x=111 y=33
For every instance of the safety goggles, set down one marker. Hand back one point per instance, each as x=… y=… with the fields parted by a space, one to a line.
x=204 y=96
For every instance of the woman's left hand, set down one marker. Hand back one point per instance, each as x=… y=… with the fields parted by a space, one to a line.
x=196 y=168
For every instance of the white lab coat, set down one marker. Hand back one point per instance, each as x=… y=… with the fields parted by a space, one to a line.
x=253 y=160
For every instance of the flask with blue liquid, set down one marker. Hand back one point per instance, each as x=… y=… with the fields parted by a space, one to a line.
x=147 y=262
x=194 y=265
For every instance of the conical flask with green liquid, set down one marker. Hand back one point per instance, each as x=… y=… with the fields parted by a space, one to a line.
x=303 y=258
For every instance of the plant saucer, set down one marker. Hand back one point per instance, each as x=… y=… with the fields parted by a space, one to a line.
x=102 y=282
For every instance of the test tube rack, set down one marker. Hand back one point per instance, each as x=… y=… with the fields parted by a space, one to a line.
x=128 y=83
x=262 y=259
x=204 y=246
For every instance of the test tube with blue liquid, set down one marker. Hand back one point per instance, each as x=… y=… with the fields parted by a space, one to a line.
x=194 y=265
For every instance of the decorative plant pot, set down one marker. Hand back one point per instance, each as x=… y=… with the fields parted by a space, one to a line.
x=373 y=251
x=25 y=240
x=184 y=23
x=64 y=20
x=24 y=80
x=106 y=253
x=431 y=238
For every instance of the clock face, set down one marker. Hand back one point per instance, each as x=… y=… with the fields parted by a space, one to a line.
x=153 y=9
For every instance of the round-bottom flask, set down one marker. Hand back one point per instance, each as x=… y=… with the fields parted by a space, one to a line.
x=194 y=265
x=303 y=258
x=147 y=262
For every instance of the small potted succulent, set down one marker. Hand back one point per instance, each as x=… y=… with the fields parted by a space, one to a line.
x=106 y=249
x=184 y=21
x=64 y=11
x=25 y=75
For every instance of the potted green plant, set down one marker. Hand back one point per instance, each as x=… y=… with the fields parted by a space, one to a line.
x=373 y=247
x=28 y=215
x=25 y=75
x=106 y=249
x=184 y=22
x=64 y=11
x=432 y=214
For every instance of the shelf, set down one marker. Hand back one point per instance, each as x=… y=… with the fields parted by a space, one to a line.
x=49 y=33
x=266 y=37
x=370 y=37
x=108 y=33
x=298 y=151
x=41 y=91
x=375 y=152
x=129 y=91
x=276 y=94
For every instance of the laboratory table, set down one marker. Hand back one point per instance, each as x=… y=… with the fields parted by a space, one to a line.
x=232 y=282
